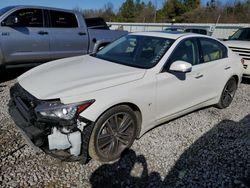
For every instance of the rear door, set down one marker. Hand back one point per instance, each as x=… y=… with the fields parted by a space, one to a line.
x=67 y=38
x=214 y=67
x=23 y=36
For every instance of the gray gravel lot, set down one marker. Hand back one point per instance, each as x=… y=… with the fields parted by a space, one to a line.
x=207 y=148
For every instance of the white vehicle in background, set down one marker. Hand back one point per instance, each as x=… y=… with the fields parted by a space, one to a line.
x=97 y=105
x=239 y=43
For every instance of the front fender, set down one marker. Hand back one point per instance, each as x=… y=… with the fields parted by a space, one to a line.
x=129 y=93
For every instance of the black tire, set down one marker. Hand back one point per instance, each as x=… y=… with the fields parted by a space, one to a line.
x=2 y=68
x=113 y=132
x=227 y=94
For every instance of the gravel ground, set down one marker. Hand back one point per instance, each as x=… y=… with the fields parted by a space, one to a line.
x=207 y=148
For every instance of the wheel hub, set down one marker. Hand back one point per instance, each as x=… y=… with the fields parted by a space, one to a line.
x=116 y=134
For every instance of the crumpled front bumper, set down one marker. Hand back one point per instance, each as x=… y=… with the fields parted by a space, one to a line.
x=42 y=134
x=30 y=133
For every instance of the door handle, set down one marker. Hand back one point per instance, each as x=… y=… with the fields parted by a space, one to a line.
x=81 y=33
x=199 y=75
x=228 y=67
x=43 y=33
x=5 y=33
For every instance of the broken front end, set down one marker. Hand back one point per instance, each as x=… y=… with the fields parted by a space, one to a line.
x=52 y=126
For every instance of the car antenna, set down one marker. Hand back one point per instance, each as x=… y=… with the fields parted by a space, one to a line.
x=212 y=28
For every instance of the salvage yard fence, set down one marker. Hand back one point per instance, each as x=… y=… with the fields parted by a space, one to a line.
x=221 y=31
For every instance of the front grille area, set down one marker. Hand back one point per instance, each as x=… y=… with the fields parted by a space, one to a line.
x=36 y=129
x=22 y=110
x=243 y=52
x=24 y=102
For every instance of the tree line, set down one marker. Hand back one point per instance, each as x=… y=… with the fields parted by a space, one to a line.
x=188 y=11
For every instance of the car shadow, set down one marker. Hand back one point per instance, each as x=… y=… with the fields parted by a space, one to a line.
x=124 y=173
x=11 y=73
x=219 y=158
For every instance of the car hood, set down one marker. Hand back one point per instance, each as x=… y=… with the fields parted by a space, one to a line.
x=237 y=43
x=74 y=76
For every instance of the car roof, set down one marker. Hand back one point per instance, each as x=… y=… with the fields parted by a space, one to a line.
x=165 y=34
x=38 y=7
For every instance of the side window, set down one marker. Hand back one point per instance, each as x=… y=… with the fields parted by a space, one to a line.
x=212 y=50
x=61 y=19
x=245 y=35
x=187 y=51
x=248 y=35
x=25 y=18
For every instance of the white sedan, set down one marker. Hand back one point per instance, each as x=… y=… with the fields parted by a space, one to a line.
x=97 y=105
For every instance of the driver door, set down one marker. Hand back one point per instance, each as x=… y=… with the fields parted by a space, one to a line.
x=24 y=37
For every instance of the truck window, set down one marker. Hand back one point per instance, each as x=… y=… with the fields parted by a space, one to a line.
x=96 y=23
x=241 y=34
x=26 y=18
x=199 y=31
x=61 y=19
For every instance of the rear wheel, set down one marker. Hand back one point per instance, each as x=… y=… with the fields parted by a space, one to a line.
x=113 y=132
x=227 y=93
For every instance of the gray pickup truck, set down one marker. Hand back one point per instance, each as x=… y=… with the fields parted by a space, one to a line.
x=30 y=34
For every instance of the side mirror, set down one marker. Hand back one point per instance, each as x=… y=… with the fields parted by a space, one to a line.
x=10 y=21
x=180 y=66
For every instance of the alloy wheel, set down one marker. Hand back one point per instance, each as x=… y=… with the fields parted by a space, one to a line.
x=116 y=134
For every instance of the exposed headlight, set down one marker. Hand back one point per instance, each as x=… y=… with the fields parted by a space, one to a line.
x=58 y=110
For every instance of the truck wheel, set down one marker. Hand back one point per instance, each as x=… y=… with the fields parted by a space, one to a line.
x=227 y=93
x=113 y=132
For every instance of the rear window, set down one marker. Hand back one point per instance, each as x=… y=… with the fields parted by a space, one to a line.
x=61 y=19
x=96 y=23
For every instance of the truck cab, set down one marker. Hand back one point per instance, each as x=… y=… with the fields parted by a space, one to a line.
x=34 y=34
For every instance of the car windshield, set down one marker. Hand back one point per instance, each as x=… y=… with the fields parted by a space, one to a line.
x=4 y=10
x=136 y=51
x=241 y=34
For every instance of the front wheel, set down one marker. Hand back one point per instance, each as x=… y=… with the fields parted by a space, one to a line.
x=113 y=132
x=227 y=93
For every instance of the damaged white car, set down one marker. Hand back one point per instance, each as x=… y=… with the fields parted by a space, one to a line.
x=97 y=105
